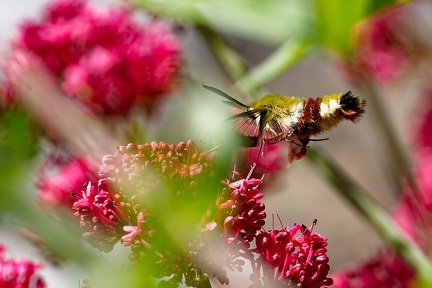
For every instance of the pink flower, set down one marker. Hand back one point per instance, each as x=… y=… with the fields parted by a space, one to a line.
x=103 y=57
x=18 y=273
x=293 y=256
x=379 y=52
x=275 y=159
x=413 y=212
x=56 y=189
x=133 y=231
x=115 y=209
x=423 y=137
x=100 y=215
x=174 y=162
x=243 y=212
x=384 y=270
x=234 y=222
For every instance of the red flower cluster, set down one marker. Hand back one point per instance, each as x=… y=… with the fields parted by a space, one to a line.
x=103 y=57
x=18 y=273
x=292 y=259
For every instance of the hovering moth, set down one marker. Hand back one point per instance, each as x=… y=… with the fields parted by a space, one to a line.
x=275 y=118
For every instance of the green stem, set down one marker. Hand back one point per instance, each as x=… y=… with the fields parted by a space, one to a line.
x=397 y=152
x=288 y=54
x=233 y=65
x=375 y=215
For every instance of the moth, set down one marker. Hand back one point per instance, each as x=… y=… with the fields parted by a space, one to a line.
x=275 y=118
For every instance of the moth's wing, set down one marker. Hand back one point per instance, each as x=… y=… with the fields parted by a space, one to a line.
x=247 y=122
x=279 y=129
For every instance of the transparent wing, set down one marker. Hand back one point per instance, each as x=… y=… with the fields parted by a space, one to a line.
x=247 y=123
x=278 y=130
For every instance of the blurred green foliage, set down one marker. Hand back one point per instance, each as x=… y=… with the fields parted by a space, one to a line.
x=18 y=146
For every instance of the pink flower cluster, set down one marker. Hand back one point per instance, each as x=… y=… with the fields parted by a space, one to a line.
x=296 y=255
x=114 y=210
x=286 y=259
x=243 y=213
x=103 y=57
x=18 y=273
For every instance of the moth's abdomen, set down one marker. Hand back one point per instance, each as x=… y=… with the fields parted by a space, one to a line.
x=322 y=114
x=308 y=123
x=337 y=107
x=351 y=106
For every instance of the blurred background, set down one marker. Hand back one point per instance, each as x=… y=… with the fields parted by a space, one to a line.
x=298 y=193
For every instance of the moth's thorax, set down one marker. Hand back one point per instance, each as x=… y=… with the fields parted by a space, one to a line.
x=280 y=105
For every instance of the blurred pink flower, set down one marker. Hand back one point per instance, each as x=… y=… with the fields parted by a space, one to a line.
x=423 y=137
x=55 y=188
x=112 y=211
x=293 y=256
x=413 y=212
x=18 y=273
x=378 y=49
x=383 y=271
x=102 y=56
x=275 y=158
x=115 y=209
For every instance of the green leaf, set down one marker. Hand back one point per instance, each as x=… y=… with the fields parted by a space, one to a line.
x=286 y=56
x=336 y=18
x=270 y=21
x=18 y=146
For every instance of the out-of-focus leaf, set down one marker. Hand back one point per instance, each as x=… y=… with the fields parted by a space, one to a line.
x=335 y=19
x=271 y=21
x=18 y=145
x=18 y=137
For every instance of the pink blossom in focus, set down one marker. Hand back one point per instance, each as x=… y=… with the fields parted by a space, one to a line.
x=99 y=215
x=293 y=257
x=18 y=273
x=238 y=216
x=102 y=56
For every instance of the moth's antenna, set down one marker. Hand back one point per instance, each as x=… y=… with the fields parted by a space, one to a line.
x=226 y=96
x=319 y=139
